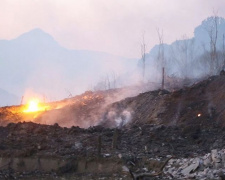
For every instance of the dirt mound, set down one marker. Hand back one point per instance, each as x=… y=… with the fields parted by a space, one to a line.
x=201 y=104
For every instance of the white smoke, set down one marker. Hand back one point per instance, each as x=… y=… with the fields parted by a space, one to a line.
x=124 y=119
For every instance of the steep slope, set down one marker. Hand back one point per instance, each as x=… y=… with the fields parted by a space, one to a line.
x=200 y=104
x=83 y=110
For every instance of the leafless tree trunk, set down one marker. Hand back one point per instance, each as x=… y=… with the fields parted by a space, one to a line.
x=114 y=79
x=161 y=59
x=163 y=77
x=70 y=94
x=223 y=53
x=212 y=30
x=183 y=53
x=143 y=52
x=107 y=82
x=21 y=102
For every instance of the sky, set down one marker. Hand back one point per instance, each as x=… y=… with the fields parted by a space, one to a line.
x=113 y=26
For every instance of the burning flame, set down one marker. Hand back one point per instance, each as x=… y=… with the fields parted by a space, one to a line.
x=34 y=106
x=199 y=115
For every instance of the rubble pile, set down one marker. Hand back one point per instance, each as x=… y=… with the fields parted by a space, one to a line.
x=209 y=166
x=133 y=149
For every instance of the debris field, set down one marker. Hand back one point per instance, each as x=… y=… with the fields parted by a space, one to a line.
x=155 y=135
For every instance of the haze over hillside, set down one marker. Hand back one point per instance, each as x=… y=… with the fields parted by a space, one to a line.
x=8 y=98
x=35 y=63
x=189 y=57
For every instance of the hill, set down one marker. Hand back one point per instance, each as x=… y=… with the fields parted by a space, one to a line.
x=189 y=57
x=35 y=62
x=7 y=98
x=173 y=134
x=199 y=104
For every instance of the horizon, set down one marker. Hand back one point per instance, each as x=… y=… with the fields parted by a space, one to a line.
x=54 y=39
x=34 y=83
x=101 y=46
x=95 y=26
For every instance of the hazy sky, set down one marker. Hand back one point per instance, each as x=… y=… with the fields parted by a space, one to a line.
x=113 y=26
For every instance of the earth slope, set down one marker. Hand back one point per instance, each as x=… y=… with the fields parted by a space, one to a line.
x=199 y=104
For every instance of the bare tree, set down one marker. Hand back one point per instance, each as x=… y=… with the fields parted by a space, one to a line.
x=223 y=53
x=21 y=102
x=183 y=54
x=161 y=59
x=143 y=53
x=184 y=47
x=114 y=77
x=101 y=84
x=106 y=82
x=69 y=93
x=212 y=29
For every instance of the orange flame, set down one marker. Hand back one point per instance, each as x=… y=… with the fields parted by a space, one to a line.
x=35 y=106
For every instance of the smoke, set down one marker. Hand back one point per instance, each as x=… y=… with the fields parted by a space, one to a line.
x=90 y=109
x=116 y=118
x=123 y=119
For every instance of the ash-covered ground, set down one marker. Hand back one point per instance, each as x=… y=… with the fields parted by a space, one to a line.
x=154 y=135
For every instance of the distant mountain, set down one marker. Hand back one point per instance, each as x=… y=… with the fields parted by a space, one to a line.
x=7 y=98
x=201 y=33
x=188 y=57
x=35 y=61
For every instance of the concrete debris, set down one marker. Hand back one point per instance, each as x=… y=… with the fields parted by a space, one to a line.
x=191 y=168
x=209 y=166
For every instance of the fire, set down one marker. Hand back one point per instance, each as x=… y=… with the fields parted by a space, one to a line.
x=35 y=106
x=199 y=115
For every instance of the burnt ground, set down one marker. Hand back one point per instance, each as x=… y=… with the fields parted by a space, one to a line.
x=163 y=123
x=180 y=107
x=132 y=147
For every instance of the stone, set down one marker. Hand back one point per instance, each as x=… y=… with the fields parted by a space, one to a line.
x=207 y=160
x=191 y=168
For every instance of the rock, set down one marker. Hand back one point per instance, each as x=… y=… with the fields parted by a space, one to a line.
x=156 y=150
x=125 y=169
x=39 y=147
x=216 y=158
x=56 y=125
x=221 y=175
x=207 y=160
x=215 y=172
x=107 y=155
x=191 y=168
x=222 y=73
x=223 y=158
x=146 y=149
x=77 y=145
x=162 y=92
